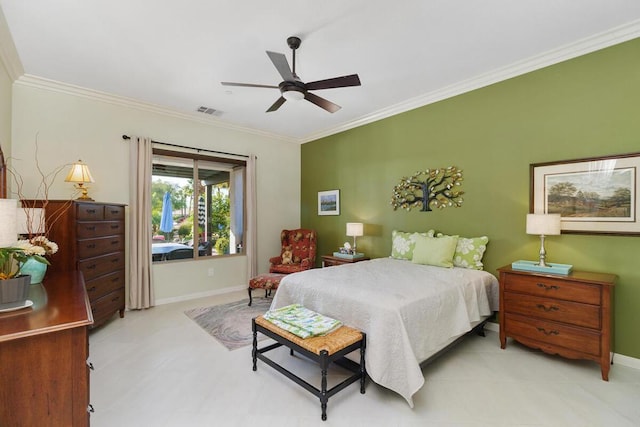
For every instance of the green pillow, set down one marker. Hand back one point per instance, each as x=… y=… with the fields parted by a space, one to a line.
x=402 y=243
x=435 y=251
x=469 y=252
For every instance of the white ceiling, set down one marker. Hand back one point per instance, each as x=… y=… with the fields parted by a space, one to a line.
x=406 y=52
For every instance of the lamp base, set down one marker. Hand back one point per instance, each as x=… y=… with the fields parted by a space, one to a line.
x=550 y=267
x=85 y=197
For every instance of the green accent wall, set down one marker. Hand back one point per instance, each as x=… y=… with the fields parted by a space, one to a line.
x=584 y=107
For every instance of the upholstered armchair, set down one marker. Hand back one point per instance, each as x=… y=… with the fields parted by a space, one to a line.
x=298 y=251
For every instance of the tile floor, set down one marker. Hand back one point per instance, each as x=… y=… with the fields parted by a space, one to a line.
x=158 y=368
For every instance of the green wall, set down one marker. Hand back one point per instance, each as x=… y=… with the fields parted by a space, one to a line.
x=584 y=107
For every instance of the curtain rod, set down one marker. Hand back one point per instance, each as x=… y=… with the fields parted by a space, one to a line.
x=126 y=137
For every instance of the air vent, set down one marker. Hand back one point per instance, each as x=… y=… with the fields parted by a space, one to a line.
x=206 y=110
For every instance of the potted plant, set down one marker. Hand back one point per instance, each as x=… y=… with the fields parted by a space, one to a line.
x=14 y=287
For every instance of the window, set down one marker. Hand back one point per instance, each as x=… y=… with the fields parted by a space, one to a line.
x=197 y=205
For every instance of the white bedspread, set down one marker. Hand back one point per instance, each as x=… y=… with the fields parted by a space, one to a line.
x=407 y=310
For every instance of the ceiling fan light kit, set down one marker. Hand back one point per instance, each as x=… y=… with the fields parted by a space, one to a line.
x=294 y=89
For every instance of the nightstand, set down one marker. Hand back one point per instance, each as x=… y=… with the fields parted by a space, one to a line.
x=330 y=260
x=571 y=315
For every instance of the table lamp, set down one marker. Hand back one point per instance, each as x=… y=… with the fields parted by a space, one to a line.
x=8 y=228
x=355 y=229
x=79 y=174
x=543 y=225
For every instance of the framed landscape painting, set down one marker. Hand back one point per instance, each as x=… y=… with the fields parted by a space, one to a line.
x=593 y=196
x=329 y=202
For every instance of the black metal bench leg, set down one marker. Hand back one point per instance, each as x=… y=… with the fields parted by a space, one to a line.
x=363 y=369
x=249 y=289
x=254 y=352
x=323 y=385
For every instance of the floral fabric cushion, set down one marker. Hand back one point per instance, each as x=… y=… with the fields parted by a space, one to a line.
x=403 y=243
x=469 y=252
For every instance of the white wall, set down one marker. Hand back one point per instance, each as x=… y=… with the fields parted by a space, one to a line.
x=69 y=125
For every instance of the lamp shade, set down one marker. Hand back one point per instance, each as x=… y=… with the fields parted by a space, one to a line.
x=543 y=224
x=30 y=221
x=355 y=229
x=8 y=229
x=79 y=173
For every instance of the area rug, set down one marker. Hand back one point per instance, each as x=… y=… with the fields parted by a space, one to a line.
x=230 y=323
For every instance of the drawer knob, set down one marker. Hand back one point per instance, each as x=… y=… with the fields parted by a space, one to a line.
x=90 y=211
x=115 y=227
x=91 y=289
x=91 y=246
x=548 y=287
x=91 y=267
x=90 y=228
x=544 y=331
x=115 y=242
x=547 y=309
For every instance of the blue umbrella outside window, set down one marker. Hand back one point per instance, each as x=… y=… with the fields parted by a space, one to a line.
x=166 y=222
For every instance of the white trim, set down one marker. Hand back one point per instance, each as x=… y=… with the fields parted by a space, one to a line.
x=587 y=45
x=590 y=44
x=201 y=295
x=29 y=80
x=618 y=359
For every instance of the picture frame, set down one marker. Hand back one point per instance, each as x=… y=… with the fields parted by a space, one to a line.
x=597 y=195
x=329 y=202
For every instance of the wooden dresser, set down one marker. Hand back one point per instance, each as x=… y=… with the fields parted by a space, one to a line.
x=567 y=315
x=91 y=237
x=43 y=356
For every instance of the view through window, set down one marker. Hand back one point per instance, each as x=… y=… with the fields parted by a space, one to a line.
x=197 y=205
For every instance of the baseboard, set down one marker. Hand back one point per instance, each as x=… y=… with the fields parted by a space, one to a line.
x=618 y=359
x=200 y=295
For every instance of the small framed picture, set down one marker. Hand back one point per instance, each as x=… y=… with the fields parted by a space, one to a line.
x=594 y=196
x=329 y=202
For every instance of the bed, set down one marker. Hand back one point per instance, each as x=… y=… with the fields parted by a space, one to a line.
x=409 y=311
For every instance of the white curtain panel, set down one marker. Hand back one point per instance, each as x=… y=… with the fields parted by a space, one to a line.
x=141 y=294
x=252 y=218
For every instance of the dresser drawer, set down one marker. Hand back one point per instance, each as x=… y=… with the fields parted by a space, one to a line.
x=550 y=287
x=91 y=247
x=101 y=286
x=93 y=268
x=577 y=339
x=113 y=212
x=574 y=313
x=87 y=230
x=89 y=212
x=104 y=307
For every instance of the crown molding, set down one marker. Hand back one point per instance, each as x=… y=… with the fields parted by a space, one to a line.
x=587 y=45
x=32 y=81
x=8 y=54
x=614 y=36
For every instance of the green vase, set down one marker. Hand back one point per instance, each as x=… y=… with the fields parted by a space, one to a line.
x=35 y=269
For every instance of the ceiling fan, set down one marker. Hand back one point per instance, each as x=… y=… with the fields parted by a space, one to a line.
x=292 y=88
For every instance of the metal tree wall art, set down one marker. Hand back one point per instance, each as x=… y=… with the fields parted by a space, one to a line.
x=431 y=188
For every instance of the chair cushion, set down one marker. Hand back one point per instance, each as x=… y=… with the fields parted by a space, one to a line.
x=286 y=268
x=266 y=281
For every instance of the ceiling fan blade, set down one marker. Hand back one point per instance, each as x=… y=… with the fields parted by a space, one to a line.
x=276 y=104
x=282 y=65
x=248 y=85
x=321 y=102
x=344 y=81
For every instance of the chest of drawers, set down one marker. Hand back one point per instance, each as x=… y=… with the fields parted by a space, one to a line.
x=91 y=238
x=566 y=315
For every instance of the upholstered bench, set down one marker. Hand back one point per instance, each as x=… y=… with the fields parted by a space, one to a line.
x=324 y=350
x=268 y=281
